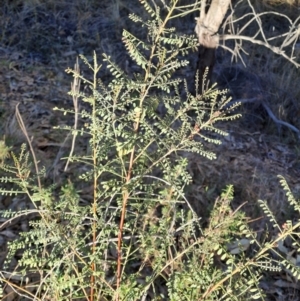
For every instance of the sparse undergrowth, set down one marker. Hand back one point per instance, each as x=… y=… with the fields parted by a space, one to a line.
x=139 y=238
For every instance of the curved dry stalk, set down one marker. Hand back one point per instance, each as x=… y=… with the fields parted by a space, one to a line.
x=24 y=130
x=75 y=88
x=269 y=111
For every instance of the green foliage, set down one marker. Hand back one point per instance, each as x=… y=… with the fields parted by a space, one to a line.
x=139 y=237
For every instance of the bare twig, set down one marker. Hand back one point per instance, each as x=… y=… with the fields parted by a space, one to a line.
x=75 y=88
x=278 y=121
x=274 y=49
x=269 y=111
x=24 y=130
x=238 y=34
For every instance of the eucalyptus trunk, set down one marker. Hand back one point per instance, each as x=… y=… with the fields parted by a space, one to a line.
x=206 y=29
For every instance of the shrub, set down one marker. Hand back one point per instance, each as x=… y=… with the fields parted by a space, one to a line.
x=138 y=238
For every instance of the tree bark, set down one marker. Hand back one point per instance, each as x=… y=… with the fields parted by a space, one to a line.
x=207 y=27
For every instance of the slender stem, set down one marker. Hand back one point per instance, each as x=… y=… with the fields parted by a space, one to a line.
x=120 y=234
x=24 y=130
x=132 y=160
x=75 y=88
x=95 y=177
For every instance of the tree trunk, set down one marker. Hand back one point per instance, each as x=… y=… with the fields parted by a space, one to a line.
x=207 y=27
x=206 y=59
